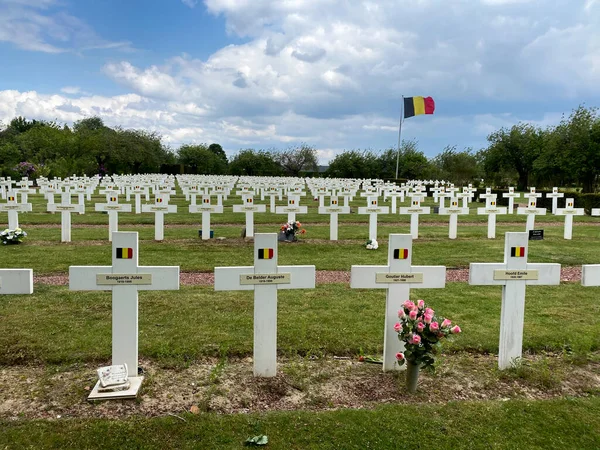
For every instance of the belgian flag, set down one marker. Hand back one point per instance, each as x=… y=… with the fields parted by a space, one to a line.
x=265 y=253
x=334 y=202
x=206 y=200
x=124 y=253
x=248 y=200
x=291 y=202
x=414 y=106
x=415 y=203
x=400 y=253
x=517 y=252
x=373 y=202
x=159 y=200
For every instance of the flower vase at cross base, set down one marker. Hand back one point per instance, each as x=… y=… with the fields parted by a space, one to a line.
x=412 y=376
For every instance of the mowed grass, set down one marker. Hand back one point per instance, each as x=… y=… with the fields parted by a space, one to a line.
x=56 y=326
x=513 y=424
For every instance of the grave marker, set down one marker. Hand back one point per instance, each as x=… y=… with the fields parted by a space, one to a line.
x=590 y=275
x=206 y=209
x=511 y=195
x=569 y=211
x=491 y=210
x=531 y=210
x=249 y=207
x=160 y=208
x=112 y=207
x=16 y=281
x=13 y=208
x=292 y=208
x=555 y=195
x=373 y=210
x=65 y=208
x=333 y=210
x=415 y=210
x=453 y=211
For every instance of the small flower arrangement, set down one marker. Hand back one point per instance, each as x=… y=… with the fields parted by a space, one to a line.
x=372 y=244
x=292 y=229
x=12 y=236
x=421 y=330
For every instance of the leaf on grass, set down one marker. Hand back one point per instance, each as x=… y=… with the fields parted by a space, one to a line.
x=194 y=409
x=261 y=439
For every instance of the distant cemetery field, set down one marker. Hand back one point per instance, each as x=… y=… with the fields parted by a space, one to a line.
x=195 y=344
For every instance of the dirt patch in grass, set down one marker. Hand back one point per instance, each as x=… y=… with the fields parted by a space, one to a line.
x=228 y=386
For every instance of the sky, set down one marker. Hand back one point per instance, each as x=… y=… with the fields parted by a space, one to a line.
x=273 y=74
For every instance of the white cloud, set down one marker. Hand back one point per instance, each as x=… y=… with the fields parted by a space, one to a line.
x=190 y=3
x=71 y=90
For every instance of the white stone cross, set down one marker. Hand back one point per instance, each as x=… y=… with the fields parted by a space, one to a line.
x=293 y=207
x=487 y=196
x=491 y=210
x=159 y=208
x=13 y=209
x=249 y=207
x=124 y=278
x=590 y=275
x=333 y=210
x=531 y=210
x=138 y=190
x=397 y=278
x=513 y=275
x=24 y=190
x=394 y=194
x=113 y=207
x=466 y=197
x=16 y=281
x=265 y=278
x=569 y=211
x=206 y=209
x=373 y=210
x=414 y=210
x=511 y=195
x=555 y=195
x=81 y=190
x=453 y=211
x=6 y=186
x=595 y=212
x=272 y=192
x=65 y=207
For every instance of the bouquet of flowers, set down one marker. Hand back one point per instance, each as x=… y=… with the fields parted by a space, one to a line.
x=421 y=330
x=292 y=229
x=12 y=236
x=372 y=244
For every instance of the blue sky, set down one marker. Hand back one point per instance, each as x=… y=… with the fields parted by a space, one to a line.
x=272 y=74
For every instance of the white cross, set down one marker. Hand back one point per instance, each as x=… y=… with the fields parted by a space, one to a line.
x=292 y=208
x=24 y=191
x=13 y=209
x=453 y=211
x=569 y=211
x=513 y=275
x=394 y=194
x=414 y=210
x=333 y=210
x=138 y=190
x=159 y=208
x=491 y=210
x=206 y=209
x=531 y=210
x=66 y=208
x=511 y=195
x=124 y=278
x=265 y=278
x=113 y=207
x=487 y=196
x=16 y=281
x=595 y=212
x=272 y=192
x=466 y=197
x=6 y=186
x=555 y=195
x=249 y=207
x=397 y=278
x=81 y=190
x=590 y=275
x=373 y=210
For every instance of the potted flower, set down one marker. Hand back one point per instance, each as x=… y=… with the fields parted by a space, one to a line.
x=372 y=244
x=421 y=330
x=12 y=236
x=290 y=231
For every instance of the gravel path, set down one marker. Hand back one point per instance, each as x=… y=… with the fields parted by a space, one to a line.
x=323 y=277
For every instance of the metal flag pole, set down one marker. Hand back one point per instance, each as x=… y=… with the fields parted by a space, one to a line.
x=399 y=134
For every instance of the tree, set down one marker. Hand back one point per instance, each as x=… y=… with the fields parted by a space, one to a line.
x=297 y=159
x=218 y=151
x=254 y=163
x=201 y=160
x=354 y=164
x=460 y=168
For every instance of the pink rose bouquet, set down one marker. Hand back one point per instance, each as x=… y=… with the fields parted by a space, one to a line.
x=421 y=330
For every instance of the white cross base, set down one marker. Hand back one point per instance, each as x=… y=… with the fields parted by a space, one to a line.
x=453 y=211
x=569 y=211
x=590 y=275
x=124 y=278
x=491 y=211
x=16 y=281
x=333 y=210
x=397 y=278
x=206 y=209
x=595 y=211
x=265 y=278
x=513 y=275
x=414 y=212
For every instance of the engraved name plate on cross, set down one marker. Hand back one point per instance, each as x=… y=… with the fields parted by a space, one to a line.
x=124 y=278
x=206 y=208
x=333 y=210
x=65 y=207
x=397 y=278
x=13 y=208
x=265 y=278
x=293 y=207
x=159 y=208
x=514 y=274
x=569 y=211
x=249 y=207
x=555 y=195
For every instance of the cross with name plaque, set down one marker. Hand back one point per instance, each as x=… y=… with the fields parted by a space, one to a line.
x=124 y=278
x=333 y=210
x=293 y=207
x=16 y=281
x=491 y=210
x=590 y=275
x=373 y=210
x=555 y=195
x=265 y=278
x=453 y=211
x=511 y=195
x=65 y=207
x=398 y=277
x=113 y=207
x=249 y=207
x=414 y=210
x=514 y=274
x=532 y=210
x=569 y=211
x=159 y=208
x=13 y=208
x=206 y=208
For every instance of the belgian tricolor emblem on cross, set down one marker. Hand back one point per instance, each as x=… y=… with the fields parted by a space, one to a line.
x=206 y=200
x=124 y=253
x=374 y=202
x=265 y=253
x=159 y=200
x=415 y=203
x=400 y=253
x=532 y=204
x=454 y=203
x=11 y=199
x=113 y=199
x=334 y=202
x=248 y=200
x=493 y=203
x=292 y=202
x=517 y=252
x=570 y=205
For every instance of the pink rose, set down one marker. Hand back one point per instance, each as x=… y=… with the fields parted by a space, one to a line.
x=446 y=323
x=408 y=305
x=400 y=356
x=421 y=304
x=398 y=327
x=420 y=327
x=401 y=313
x=416 y=339
x=455 y=330
x=429 y=311
x=434 y=326
x=428 y=318
x=412 y=315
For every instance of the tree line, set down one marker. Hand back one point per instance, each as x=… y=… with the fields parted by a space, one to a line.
x=567 y=154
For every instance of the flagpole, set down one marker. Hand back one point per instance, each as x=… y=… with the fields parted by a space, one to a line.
x=399 y=134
